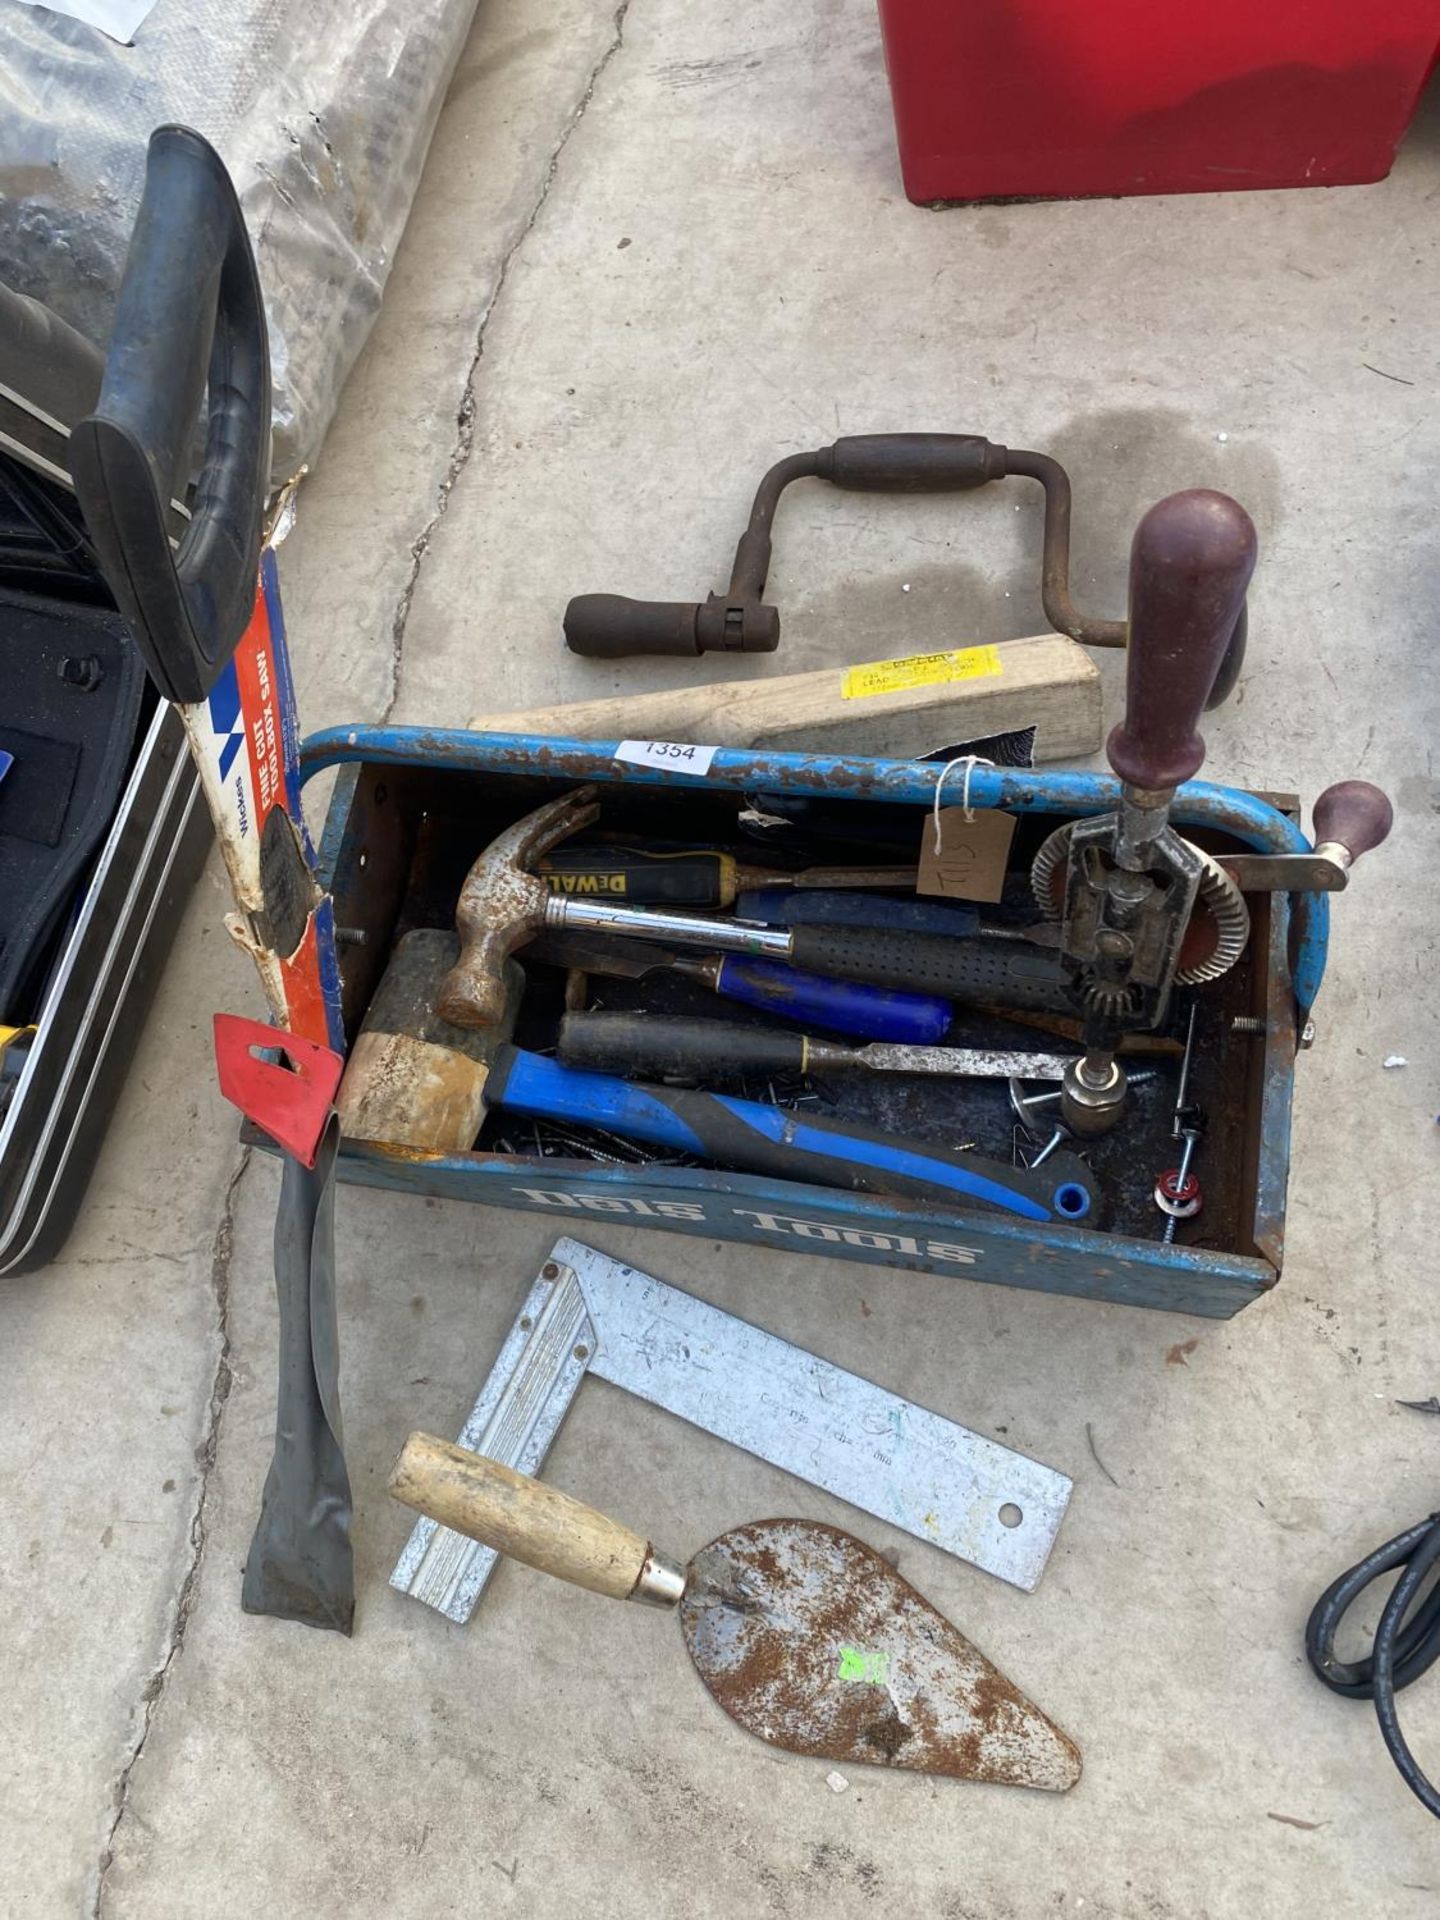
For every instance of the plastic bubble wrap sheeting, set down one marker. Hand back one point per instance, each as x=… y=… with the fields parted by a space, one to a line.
x=321 y=109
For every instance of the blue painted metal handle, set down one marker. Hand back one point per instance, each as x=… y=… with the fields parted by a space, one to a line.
x=756 y=1138
x=841 y=1006
x=802 y=907
x=1255 y=823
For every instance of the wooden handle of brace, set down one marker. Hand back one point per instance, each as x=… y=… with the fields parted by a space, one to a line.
x=1190 y=563
x=521 y=1517
x=1354 y=814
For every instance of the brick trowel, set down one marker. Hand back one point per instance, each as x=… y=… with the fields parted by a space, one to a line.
x=802 y=1633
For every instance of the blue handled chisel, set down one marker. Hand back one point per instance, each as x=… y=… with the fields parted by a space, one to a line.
x=815 y=1000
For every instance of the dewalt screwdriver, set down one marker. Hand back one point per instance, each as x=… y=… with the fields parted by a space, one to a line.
x=707 y=878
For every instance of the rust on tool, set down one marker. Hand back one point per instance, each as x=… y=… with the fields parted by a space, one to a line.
x=502 y=904
x=812 y=1642
x=610 y=625
x=804 y=1635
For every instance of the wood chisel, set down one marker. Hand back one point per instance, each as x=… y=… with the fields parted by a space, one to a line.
x=704 y=878
x=706 y=1051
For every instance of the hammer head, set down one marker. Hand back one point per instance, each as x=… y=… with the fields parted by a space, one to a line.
x=502 y=905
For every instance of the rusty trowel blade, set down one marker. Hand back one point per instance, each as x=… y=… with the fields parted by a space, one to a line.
x=814 y=1643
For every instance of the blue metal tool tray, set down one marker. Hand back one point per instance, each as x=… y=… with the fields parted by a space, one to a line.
x=412 y=807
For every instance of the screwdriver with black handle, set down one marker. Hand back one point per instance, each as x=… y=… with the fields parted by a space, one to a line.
x=1001 y=972
x=705 y=878
x=791 y=907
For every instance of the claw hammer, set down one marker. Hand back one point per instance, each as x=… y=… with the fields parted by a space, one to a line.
x=501 y=906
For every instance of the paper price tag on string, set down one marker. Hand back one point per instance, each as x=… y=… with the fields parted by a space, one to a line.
x=676 y=755
x=973 y=853
x=964 y=850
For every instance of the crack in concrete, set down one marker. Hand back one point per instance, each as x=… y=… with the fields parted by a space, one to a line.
x=222 y=1246
x=465 y=417
x=221 y=1251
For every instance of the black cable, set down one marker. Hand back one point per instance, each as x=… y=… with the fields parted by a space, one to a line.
x=1404 y=1647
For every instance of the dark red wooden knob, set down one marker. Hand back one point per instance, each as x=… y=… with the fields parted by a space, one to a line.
x=1190 y=564
x=1354 y=813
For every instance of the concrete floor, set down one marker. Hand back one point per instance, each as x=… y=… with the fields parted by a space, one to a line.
x=653 y=250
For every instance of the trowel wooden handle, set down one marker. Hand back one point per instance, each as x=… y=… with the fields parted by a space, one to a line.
x=529 y=1521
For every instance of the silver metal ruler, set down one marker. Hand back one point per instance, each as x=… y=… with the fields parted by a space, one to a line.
x=587 y=1313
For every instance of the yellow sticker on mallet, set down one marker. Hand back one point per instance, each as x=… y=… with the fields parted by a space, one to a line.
x=919 y=670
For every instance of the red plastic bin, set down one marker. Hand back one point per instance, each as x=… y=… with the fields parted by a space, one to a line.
x=1050 y=98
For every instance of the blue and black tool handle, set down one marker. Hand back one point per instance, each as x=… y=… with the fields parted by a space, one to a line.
x=754 y=1138
x=785 y=906
x=996 y=972
x=841 y=1006
x=958 y=968
x=769 y=986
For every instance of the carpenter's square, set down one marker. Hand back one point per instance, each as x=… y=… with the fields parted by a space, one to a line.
x=587 y=1313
